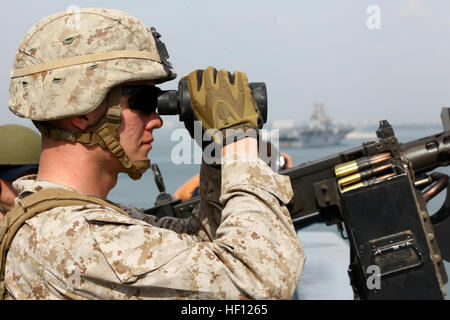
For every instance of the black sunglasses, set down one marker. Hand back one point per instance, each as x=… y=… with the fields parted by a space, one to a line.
x=143 y=98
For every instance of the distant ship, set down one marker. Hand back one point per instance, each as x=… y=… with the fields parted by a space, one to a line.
x=320 y=131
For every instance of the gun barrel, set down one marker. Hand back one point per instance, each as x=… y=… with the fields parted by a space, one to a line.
x=428 y=153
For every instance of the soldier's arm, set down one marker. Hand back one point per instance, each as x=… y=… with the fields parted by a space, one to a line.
x=205 y=217
x=186 y=191
x=253 y=253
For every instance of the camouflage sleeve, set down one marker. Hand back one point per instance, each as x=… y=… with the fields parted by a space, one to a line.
x=257 y=224
x=205 y=217
x=254 y=251
x=88 y=252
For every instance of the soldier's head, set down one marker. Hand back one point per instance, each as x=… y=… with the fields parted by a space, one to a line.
x=87 y=76
x=20 y=148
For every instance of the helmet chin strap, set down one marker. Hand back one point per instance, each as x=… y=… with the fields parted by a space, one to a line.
x=104 y=133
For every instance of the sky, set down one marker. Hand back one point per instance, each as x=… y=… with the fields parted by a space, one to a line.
x=364 y=60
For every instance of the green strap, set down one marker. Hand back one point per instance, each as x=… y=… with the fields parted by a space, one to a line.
x=104 y=133
x=32 y=205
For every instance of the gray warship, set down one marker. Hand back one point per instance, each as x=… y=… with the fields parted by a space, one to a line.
x=320 y=131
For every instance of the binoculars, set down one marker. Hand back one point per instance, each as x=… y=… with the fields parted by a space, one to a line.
x=173 y=102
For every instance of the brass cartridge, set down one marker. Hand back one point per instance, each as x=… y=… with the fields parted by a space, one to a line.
x=368 y=182
x=362 y=175
x=350 y=167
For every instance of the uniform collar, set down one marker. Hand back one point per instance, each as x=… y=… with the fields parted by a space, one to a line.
x=30 y=184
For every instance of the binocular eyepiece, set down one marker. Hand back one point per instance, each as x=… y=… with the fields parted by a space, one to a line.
x=173 y=102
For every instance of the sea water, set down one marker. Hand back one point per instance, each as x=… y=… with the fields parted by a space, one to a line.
x=325 y=272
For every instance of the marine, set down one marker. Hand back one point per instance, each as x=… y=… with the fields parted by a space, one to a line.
x=20 y=150
x=90 y=89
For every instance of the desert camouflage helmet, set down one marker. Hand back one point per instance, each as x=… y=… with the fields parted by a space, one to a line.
x=67 y=63
x=19 y=145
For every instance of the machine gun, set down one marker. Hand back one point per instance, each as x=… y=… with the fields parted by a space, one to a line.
x=379 y=193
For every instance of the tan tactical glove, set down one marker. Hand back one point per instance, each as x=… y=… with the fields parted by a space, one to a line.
x=222 y=101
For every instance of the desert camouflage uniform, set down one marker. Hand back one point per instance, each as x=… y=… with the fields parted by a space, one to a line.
x=247 y=250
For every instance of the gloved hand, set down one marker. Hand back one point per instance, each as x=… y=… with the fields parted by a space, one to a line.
x=222 y=101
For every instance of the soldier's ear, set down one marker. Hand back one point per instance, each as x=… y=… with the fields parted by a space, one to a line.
x=80 y=122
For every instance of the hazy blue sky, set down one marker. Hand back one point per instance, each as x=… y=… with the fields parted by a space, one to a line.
x=305 y=51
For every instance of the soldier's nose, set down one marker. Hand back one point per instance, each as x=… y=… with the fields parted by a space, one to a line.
x=154 y=121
